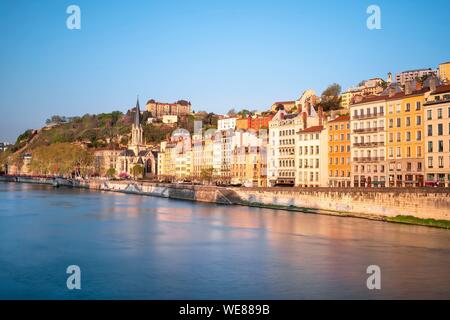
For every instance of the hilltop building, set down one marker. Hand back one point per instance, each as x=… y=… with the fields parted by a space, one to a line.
x=444 y=72
x=160 y=109
x=409 y=75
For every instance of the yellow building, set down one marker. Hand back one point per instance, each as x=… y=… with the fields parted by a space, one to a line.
x=437 y=136
x=248 y=166
x=346 y=98
x=339 y=152
x=405 y=137
x=444 y=72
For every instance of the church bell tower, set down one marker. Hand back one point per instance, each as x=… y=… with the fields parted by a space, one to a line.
x=137 y=132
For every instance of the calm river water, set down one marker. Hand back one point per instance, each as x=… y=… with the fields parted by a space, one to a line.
x=137 y=247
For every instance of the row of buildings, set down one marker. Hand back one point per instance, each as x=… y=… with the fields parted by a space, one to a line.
x=400 y=137
x=390 y=134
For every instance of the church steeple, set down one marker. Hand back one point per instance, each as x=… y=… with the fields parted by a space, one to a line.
x=137 y=114
x=137 y=133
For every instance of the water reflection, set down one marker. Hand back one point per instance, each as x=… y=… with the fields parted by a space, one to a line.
x=131 y=246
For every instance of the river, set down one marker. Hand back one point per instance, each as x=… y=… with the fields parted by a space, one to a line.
x=138 y=247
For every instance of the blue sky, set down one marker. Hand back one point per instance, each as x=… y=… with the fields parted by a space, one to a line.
x=217 y=54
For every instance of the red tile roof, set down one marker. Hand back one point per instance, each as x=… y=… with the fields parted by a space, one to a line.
x=312 y=129
x=340 y=119
x=442 y=89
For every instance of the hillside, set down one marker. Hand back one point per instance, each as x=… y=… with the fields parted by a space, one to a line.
x=106 y=130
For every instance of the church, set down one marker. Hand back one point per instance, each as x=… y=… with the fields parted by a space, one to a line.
x=136 y=153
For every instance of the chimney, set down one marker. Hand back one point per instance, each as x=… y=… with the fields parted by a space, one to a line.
x=320 y=114
x=304 y=118
x=408 y=87
x=419 y=85
x=432 y=83
x=391 y=91
x=308 y=107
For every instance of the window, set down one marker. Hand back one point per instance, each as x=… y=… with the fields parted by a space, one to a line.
x=430 y=162
x=441 y=161
x=399 y=152
x=408 y=136
x=440 y=146
x=417 y=105
x=430 y=130
x=429 y=115
x=419 y=135
x=439 y=113
x=408 y=121
x=399 y=108
x=399 y=122
x=408 y=107
x=440 y=129
x=430 y=146
x=391 y=123
x=399 y=137
x=418 y=120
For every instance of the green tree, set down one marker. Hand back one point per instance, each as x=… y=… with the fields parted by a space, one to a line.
x=206 y=174
x=111 y=173
x=333 y=90
x=63 y=159
x=330 y=99
x=137 y=171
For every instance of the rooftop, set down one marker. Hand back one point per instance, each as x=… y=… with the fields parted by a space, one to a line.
x=340 y=119
x=442 y=89
x=312 y=129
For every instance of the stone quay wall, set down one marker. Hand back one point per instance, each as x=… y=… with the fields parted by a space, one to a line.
x=372 y=203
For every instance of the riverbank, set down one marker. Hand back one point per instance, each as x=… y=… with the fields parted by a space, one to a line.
x=418 y=206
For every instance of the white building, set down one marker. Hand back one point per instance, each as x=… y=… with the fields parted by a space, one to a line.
x=283 y=135
x=368 y=132
x=226 y=124
x=312 y=157
x=410 y=75
x=168 y=119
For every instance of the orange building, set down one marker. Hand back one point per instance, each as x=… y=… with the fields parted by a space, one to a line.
x=256 y=123
x=339 y=152
x=405 y=145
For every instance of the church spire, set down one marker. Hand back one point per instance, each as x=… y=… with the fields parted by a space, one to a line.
x=137 y=114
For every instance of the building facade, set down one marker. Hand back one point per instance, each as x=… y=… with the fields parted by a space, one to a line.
x=339 y=154
x=410 y=75
x=160 y=109
x=404 y=138
x=283 y=136
x=437 y=136
x=444 y=72
x=311 y=157
x=368 y=133
x=226 y=123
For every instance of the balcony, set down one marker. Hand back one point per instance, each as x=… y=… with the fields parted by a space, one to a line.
x=368 y=144
x=368 y=159
x=368 y=116
x=368 y=130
